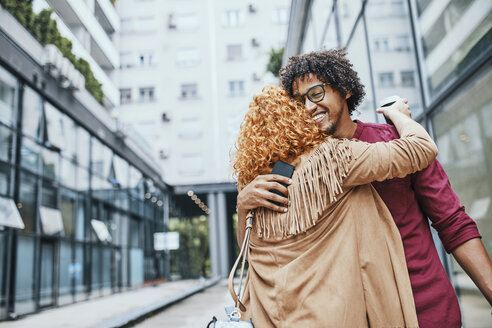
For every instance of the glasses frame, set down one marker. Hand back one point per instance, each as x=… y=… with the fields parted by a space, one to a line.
x=303 y=96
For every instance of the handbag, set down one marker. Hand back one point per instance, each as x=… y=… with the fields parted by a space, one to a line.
x=233 y=312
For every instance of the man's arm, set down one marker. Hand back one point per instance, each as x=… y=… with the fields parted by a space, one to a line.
x=473 y=258
x=257 y=194
x=457 y=231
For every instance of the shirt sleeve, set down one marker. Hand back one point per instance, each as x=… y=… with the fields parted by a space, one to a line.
x=379 y=161
x=442 y=206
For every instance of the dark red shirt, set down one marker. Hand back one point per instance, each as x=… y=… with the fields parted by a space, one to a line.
x=411 y=200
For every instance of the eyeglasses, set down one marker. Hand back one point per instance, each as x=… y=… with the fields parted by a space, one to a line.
x=315 y=94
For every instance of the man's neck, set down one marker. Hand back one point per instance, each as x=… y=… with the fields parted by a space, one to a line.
x=346 y=128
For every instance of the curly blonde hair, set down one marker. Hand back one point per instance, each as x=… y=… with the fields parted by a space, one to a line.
x=276 y=127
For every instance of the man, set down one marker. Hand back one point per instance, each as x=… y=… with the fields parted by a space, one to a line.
x=331 y=90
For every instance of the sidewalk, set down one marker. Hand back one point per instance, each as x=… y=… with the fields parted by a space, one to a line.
x=117 y=310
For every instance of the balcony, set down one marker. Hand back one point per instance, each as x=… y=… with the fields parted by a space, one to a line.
x=97 y=23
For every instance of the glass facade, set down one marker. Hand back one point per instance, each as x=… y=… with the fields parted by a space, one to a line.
x=437 y=54
x=61 y=177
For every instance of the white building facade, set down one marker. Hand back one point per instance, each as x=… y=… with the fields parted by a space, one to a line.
x=188 y=71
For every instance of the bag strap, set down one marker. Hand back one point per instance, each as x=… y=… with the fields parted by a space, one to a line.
x=243 y=254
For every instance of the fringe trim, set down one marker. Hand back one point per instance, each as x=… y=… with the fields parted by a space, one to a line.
x=315 y=184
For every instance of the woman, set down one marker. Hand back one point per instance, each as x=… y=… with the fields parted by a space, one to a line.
x=335 y=259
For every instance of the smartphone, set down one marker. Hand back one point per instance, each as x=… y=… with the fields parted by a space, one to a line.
x=388 y=101
x=284 y=169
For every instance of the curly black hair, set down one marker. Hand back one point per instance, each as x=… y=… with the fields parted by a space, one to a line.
x=329 y=66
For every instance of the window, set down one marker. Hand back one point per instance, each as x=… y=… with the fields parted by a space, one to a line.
x=234 y=51
x=386 y=80
x=236 y=88
x=8 y=88
x=146 y=58
x=125 y=96
x=189 y=91
x=186 y=22
x=397 y=7
x=281 y=15
x=145 y=24
x=233 y=18
x=381 y=44
x=31 y=118
x=407 y=79
x=146 y=94
x=126 y=60
x=190 y=128
x=6 y=143
x=187 y=57
x=402 y=43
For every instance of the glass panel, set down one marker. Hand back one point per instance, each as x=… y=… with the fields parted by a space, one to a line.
x=96 y=268
x=101 y=188
x=83 y=147
x=51 y=163
x=136 y=267
x=67 y=272
x=454 y=38
x=30 y=153
x=464 y=137
x=5 y=179
x=357 y=54
x=392 y=55
x=49 y=193
x=82 y=179
x=80 y=219
x=55 y=127
x=31 y=113
x=3 y=251
x=78 y=272
x=106 y=270
x=348 y=10
x=46 y=281
x=27 y=200
x=70 y=133
x=68 y=173
x=101 y=158
x=6 y=138
x=24 y=275
x=136 y=183
x=134 y=233
x=121 y=168
x=8 y=91
x=67 y=209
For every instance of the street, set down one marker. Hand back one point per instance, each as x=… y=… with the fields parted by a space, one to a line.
x=195 y=311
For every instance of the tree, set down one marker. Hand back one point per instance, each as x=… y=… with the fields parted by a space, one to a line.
x=275 y=62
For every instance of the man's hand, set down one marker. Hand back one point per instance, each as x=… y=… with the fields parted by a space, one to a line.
x=257 y=193
x=400 y=105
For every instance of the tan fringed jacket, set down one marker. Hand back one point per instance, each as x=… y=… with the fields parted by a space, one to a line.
x=335 y=259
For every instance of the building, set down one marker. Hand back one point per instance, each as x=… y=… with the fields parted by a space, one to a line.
x=438 y=54
x=79 y=200
x=188 y=72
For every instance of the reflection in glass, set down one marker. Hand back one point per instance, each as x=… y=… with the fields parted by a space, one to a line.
x=31 y=113
x=4 y=179
x=453 y=39
x=67 y=271
x=68 y=173
x=30 y=152
x=27 y=200
x=78 y=272
x=83 y=147
x=6 y=137
x=51 y=163
x=80 y=219
x=101 y=159
x=67 y=209
x=8 y=91
x=55 y=128
x=49 y=194
x=46 y=291
x=82 y=179
x=462 y=129
x=392 y=55
x=24 y=275
x=357 y=54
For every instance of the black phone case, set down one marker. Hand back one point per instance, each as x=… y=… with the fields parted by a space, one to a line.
x=284 y=169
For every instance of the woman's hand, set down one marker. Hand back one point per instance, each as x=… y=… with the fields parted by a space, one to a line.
x=257 y=193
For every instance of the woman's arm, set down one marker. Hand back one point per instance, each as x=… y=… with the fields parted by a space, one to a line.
x=414 y=151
